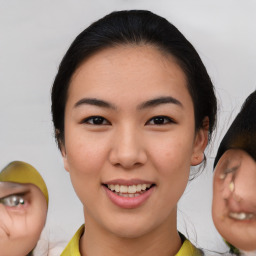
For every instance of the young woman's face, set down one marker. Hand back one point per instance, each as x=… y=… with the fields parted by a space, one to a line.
x=234 y=200
x=23 y=212
x=130 y=139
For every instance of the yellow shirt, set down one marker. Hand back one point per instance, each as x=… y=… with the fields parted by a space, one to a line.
x=72 y=249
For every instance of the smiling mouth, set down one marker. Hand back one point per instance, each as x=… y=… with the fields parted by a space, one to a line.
x=241 y=215
x=129 y=191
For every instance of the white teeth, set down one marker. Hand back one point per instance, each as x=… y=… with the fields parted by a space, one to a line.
x=123 y=189
x=133 y=189
x=112 y=187
x=143 y=186
x=240 y=215
x=128 y=195
x=117 y=188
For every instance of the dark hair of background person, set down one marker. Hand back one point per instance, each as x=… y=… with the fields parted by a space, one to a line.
x=135 y=27
x=241 y=135
x=242 y=132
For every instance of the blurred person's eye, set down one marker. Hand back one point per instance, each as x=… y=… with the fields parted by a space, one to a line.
x=13 y=200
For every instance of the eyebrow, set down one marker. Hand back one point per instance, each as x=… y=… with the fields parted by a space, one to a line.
x=146 y=104
x=232 y=169
x=11 y=185
x=159 y=101
x=8 y=189
x=95 y=102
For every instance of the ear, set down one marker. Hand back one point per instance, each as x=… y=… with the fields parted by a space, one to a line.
x=200 y=143
x=62 y=148
x=64 y=157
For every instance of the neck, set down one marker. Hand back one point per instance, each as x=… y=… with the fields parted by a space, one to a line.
x=163 y=240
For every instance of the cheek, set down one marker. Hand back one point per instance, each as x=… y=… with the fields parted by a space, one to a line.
x=33 y=221
x=172 y=162
x=85 y=154
x=216 y=210
x=86 y=158
x=23 y=228
x=218 y=203
x=5 y=223
x=171 y=155
x=245 y=185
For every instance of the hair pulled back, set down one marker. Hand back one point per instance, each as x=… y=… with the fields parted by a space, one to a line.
x=135 y=27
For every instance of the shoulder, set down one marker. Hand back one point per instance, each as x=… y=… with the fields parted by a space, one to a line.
x=73 y=246
x=188 y=249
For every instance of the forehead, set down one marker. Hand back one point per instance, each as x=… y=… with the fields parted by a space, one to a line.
x=236 y=157
x=138 y=69
x=123 y=55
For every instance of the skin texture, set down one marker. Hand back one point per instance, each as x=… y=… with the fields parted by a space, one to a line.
x=128 y=145
x=21 y=225
x=240 y=233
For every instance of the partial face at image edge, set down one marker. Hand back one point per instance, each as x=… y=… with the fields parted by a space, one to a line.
x=234 y=201
x=23 y=208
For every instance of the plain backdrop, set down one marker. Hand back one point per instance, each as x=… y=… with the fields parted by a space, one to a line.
x=34 y=36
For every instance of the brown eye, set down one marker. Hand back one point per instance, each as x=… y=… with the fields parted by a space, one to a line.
x=12 y=201
x=160 y=120
x=96 y=120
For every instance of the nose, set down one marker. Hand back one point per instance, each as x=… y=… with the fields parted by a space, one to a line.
x=229 y=193
x=128 y=150
x=228 y=186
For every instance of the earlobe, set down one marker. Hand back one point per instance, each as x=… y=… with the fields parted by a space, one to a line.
x=200 y=143
x=64 y=158
x=197 y=159
x=66 y=165
x=62 y=150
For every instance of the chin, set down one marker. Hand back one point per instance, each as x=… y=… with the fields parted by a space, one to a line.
x=239 y=235
x=243 y=244
x=130 y=228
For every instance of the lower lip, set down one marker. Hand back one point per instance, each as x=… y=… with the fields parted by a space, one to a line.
x=128 y=202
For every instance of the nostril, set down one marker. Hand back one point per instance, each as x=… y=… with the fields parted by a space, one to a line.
x=237 y=197
x=127 y=153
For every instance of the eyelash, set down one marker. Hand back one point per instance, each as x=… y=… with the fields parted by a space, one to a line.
x=99 y=120
x=13 y=200
x=163 y=120
x=96 y=120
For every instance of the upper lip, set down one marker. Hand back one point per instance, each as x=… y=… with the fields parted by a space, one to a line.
x=246 y=207
x=128 y=182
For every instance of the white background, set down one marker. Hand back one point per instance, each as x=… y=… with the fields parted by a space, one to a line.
x=34 y=36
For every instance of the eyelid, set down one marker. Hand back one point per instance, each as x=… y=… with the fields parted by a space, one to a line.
x=90 y=118
x=19 y=195
x=169 y=120
x=16 y=194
